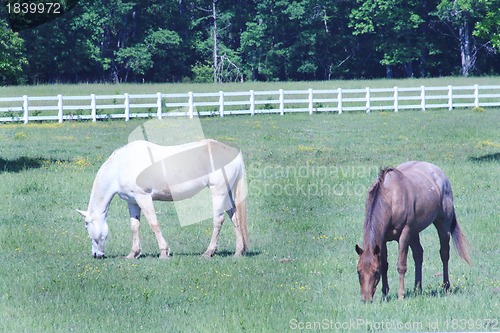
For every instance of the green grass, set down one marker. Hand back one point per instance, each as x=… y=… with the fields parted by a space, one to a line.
x=168 y=88
x=307 y=177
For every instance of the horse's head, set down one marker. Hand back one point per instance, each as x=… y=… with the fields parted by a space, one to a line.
x=98 y=232
x=369 y=267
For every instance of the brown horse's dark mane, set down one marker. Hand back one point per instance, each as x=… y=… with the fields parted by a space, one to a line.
x=374 y=190
x=373 y=202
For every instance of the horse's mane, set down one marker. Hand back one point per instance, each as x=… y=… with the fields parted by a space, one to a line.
x=374 y=193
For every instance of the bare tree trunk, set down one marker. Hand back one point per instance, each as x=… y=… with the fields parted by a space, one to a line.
x=409 y=69
x=466 y=49
x=388 y=71
x=114 y=75
x=215 y=55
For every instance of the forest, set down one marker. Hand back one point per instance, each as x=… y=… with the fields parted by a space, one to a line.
x=235 y=40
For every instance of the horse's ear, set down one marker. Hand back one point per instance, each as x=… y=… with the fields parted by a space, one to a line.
x=359 y=250
x=82 y=212
x=376 y=250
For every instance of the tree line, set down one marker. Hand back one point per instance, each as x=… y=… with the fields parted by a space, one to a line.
x=236 y=40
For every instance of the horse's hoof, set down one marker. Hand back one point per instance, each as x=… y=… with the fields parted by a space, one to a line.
x=134 y=255
x=165 y=256
x=207 y=255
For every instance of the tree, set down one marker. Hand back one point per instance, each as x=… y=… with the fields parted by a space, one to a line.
x=109 y=40
x=488 y=26
x=461 y=16
x=299 y=40
x=325 y=45
x=397 y=29
x=215 y=26
x=12 y=59
x=138 y=58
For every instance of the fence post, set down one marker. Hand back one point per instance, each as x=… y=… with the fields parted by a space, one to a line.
x=450 y=98
x=282 y=102
x=93 y=106
x=127 y=107
x=60 y=108
x=396 y=101
x=339 y=97
x=476 y=95
x=368 y=100
x=310 y=101
x=221 y=103
x=191 y=104
x=26 y=109
x=158 y=104
x=252 y=102
x=422 y=97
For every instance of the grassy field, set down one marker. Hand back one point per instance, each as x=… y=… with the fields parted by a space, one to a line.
x=172 y=88
x=307 y=177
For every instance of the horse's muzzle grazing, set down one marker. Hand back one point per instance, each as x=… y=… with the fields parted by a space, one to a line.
x=366 y=299
x=367 y=295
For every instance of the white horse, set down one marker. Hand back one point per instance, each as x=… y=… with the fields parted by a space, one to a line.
x=141 y=172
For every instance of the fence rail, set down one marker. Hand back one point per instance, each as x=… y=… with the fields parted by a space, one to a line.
x=94 y=107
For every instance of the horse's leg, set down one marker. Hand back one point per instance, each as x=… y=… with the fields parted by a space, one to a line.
x=418 y=257
x=444 y=250
x=404 y=239
x=385 y=268
x=218 y=220
x=135 y=213
x=443 y=225
x=145 y=202
x=218 y=213
x=240 y=247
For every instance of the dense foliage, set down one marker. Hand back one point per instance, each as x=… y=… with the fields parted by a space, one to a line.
x=267 y=40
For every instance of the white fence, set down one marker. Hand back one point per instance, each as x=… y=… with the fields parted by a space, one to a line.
x=126 y=106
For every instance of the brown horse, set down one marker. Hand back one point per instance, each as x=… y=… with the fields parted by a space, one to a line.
x=402 y=202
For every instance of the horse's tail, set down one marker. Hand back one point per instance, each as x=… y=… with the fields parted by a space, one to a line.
x=461 y=244
x=240 y=198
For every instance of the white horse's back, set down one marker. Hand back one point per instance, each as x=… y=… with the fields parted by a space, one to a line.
x=172 y=173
